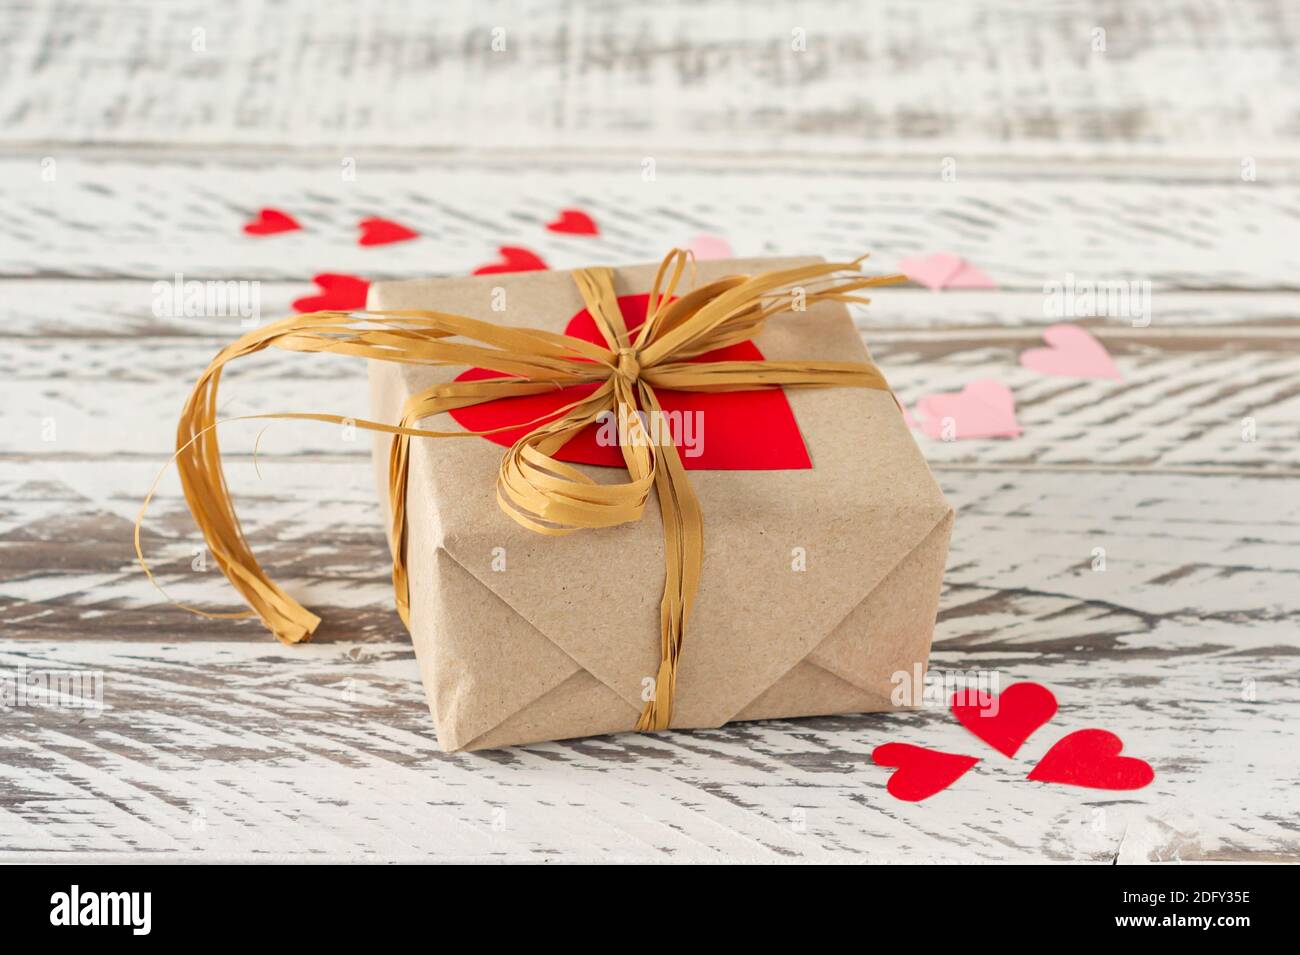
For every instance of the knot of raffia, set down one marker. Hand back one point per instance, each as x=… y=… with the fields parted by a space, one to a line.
x=535 y=489
x=629 y=368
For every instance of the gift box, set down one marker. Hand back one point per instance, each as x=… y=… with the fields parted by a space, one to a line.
x=824 y=537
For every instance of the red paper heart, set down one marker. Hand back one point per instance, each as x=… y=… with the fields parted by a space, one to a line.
x=271 y=221
x=1021 y=708
x=375 y=231
x=920 y=772
x=741 y=431
x=574 y=222
x=513 y=259
x=1091 y=758
x=339 y=292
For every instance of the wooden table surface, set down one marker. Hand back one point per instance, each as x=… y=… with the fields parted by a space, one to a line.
x=128 y=156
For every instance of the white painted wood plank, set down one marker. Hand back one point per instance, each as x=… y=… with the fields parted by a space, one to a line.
x=1183 y=402
x=107 y=308
x=1212 y=559
x=245 y=751
x=1212 y=75
x=1229 y=406
x=149 y=220
x=218 y=744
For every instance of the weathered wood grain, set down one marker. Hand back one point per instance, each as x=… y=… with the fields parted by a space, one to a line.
x=1219 y=398
x=1215 y=554
x=1131 y=551
x=723 y=76
x=244 y=751
x=123 y=309
x=216 y=742
x=149 y=219
x=219 y=744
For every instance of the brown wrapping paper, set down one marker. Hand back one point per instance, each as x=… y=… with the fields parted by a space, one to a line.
x=523 y=638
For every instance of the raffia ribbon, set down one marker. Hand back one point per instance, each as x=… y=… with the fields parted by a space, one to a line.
x=535 y=489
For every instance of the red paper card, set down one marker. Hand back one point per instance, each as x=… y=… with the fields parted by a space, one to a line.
x=734 y=431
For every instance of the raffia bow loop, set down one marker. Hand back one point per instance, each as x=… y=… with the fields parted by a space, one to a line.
x=533 y=487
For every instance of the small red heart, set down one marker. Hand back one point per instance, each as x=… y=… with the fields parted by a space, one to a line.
x=338 y=292
x=376 y=231
x=737 y=430
x=271 y=221
x=513 y=259
x=1020 y=709
x=575 y=222
x=1091 y=758
x=920 y=772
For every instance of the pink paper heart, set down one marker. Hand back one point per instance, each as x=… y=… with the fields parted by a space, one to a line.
x=710 y=247
x=1073 y=352
x=983 y=409
x=932 y=271
x=944 y=270
x=970 y=277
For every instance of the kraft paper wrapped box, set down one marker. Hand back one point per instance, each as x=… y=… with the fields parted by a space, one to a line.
x=819 y=584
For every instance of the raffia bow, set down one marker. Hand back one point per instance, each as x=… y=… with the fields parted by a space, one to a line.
x=535 y=489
